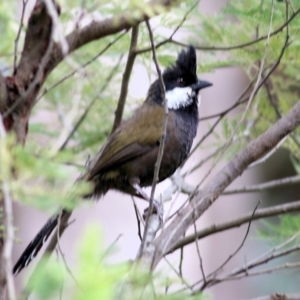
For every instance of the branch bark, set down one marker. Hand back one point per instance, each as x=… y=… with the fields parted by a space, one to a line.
x=98 y=30
x=204 y=199
x=260 y=213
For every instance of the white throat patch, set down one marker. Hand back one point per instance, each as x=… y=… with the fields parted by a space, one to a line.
x=180 y=97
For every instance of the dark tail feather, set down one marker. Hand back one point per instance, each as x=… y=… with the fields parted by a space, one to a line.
x=34 y=247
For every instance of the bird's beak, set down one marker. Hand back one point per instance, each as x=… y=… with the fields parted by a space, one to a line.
x=201 y=84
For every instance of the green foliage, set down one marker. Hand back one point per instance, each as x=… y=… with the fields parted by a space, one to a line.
x=94 y=278
x=288 y=226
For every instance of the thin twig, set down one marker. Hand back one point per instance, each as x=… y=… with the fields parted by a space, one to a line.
x=140 y=51
x=222 y=48
x=7 y=215
x=162 y=140
x=60 y=81
x=217 y=48
x=245 y=271
x=261 y=272
x=221 y=115
x=214 y=228
x=199 y=256
x=110 y=247
x=24 y=2
x=138 y=218
x=213 y=274
x=90 y=105
x=182 y=279
x=126 y=77
x=264 y=186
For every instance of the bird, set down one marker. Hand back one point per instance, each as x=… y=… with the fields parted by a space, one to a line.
x=126 y=162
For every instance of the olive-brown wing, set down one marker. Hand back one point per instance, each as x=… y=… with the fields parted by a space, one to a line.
x=137 y=136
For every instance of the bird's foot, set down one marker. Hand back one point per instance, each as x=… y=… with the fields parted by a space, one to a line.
x=157 y=209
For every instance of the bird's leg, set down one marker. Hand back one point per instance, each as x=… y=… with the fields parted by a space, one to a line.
x=157 y=206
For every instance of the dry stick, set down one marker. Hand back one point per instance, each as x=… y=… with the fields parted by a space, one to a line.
x=265 y=271
x=83 y=66
x=181 y=260
x=8 y=229
x=126 y=77
x=138 y=218
x=19 y=32
x=244 y=271
x=178 y=274
x=147 y=238
x=264 y=186
x=202 y=162
x=263 y=259
x=215 y=228
x=199 y=255
x=214 y=273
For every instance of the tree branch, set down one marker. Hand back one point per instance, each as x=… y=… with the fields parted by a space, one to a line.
x=263 y=186
x=215 y=228
x=8 y=227
x=126 y=77
x=152 y=222
x=97 y=30
x=202 y=200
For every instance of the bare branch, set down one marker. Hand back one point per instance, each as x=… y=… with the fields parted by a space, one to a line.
x=7 y=216
x=97 y=30
x=24 y=2
x=126 y=77
x=264 y=186
x=152 y=221
x=260 y=213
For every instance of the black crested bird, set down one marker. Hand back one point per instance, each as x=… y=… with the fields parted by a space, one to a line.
x=126 y=162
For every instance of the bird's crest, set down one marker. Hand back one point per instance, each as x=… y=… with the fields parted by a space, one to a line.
x=186 y=64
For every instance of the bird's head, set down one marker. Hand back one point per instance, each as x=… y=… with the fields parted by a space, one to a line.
x=181 y=81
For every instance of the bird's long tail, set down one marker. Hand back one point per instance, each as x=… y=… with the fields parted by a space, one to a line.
x=34 y=247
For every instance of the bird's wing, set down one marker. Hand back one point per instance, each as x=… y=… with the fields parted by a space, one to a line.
x=137 y=136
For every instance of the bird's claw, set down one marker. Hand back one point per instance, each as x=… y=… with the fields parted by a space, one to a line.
x=157 y=209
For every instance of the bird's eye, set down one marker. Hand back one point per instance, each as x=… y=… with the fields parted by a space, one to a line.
x=180 y=81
